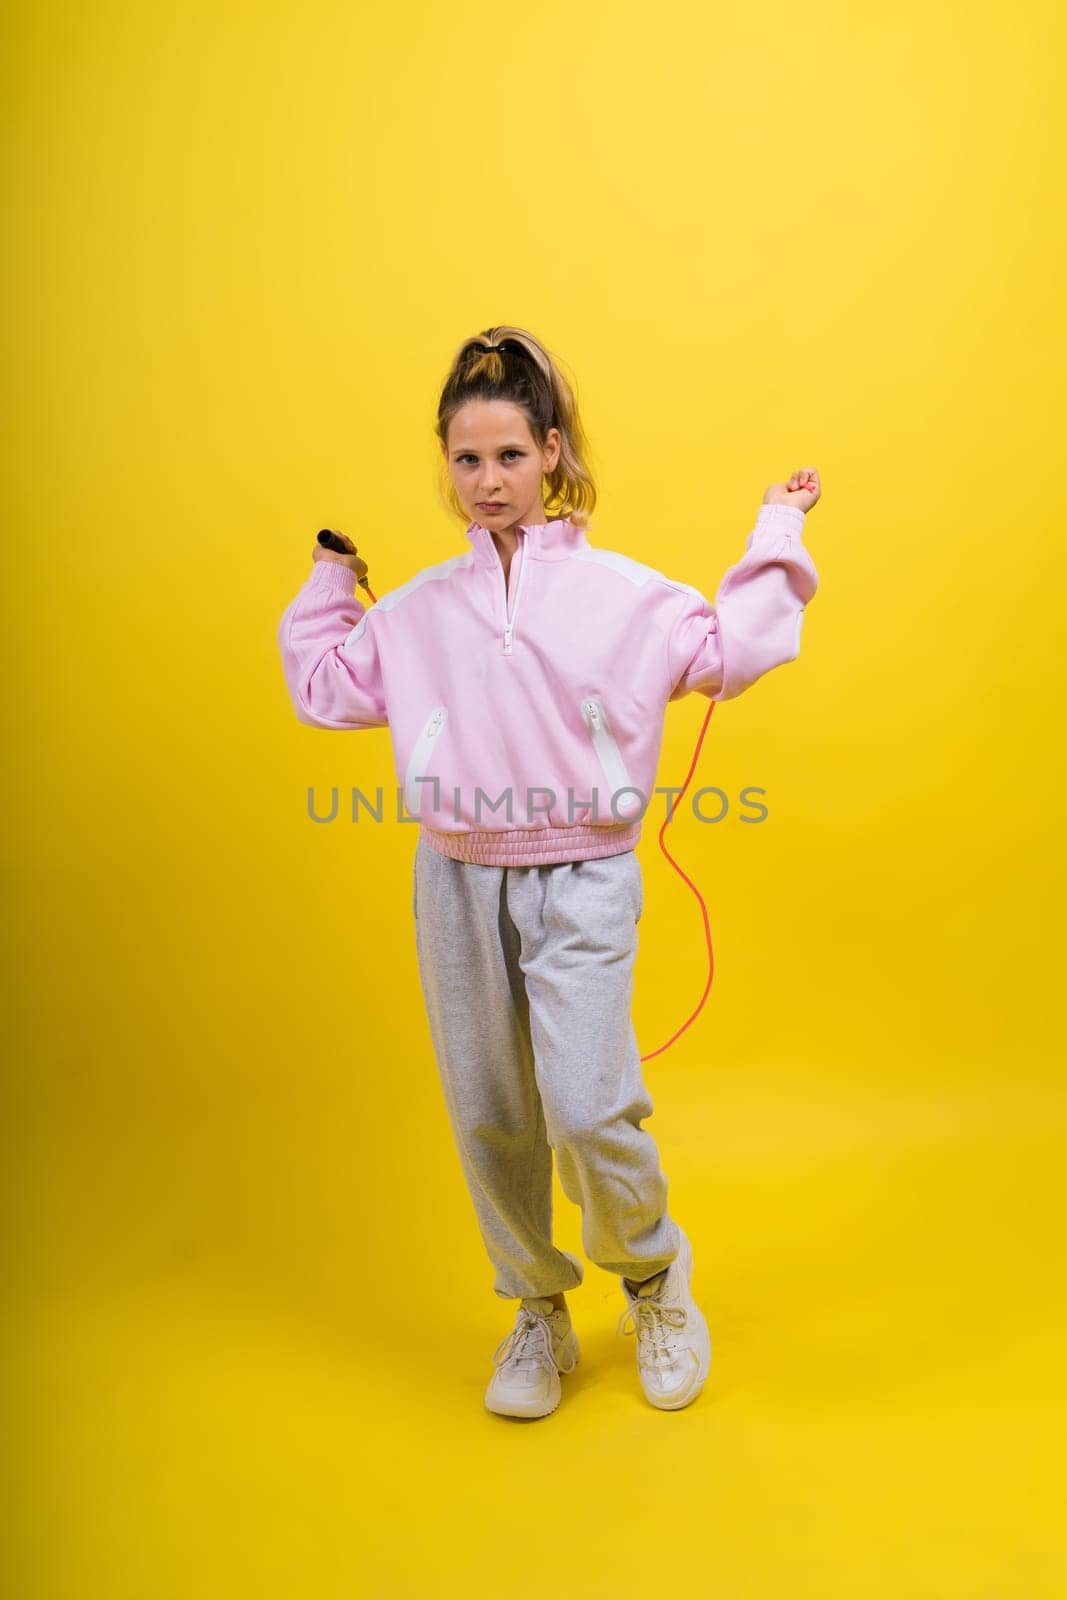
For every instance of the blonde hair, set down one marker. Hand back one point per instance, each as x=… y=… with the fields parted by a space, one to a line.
x=524 y=373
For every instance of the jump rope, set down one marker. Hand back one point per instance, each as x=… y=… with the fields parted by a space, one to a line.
x=334 y=541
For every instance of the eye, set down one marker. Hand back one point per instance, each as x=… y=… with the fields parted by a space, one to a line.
x=469 y=456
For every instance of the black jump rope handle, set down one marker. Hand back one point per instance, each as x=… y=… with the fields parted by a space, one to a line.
x=332 y=542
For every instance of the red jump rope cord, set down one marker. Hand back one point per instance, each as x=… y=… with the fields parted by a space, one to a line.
x=692 y=885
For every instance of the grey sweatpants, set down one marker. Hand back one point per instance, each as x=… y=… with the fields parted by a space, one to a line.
x=527 y=975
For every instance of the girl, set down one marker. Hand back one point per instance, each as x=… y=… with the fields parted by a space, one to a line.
x=530 y=675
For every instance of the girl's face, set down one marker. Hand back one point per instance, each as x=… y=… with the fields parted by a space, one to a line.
x=495 y=466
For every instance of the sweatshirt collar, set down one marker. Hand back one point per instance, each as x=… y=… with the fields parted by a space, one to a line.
x=544 y=541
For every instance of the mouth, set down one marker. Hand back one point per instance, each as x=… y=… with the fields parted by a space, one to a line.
x=490 y=505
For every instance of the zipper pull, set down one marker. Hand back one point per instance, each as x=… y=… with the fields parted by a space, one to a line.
x=508 y=626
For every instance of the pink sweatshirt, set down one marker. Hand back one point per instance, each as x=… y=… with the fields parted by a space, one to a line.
x=526 y=718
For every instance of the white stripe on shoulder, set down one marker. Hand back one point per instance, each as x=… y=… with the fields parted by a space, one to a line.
x=441 y=569
x=637 y=571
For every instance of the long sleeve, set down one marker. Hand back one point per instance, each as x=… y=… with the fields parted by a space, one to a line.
x=755 y=622
x=330 y=653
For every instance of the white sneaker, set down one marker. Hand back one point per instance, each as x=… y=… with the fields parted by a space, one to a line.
x=528 y=1361
x=673 y=1342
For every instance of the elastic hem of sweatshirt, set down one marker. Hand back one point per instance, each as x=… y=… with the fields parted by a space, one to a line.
x=533 y=847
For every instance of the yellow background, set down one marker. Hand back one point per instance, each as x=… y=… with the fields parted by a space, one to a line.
x=249 y=1317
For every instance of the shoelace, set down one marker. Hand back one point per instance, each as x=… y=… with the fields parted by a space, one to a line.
x=653 y=1323
x=529 y=1343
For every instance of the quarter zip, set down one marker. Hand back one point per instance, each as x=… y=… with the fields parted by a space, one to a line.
x=508 y=617
x=610 y=756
